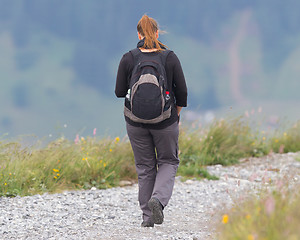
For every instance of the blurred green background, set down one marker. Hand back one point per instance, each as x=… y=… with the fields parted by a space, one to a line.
x=59 y=60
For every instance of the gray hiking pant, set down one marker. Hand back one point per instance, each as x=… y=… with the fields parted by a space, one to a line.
x=156 y=161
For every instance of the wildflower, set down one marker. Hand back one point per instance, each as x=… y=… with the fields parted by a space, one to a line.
x=101 y=161
x=55 y=170
x=270 y=205
x=263 y=132
x=104 y=164
x=253 y=143
x=250 y=237
x=76 y=140
x=248 y=216
x=285 y=134
x=264 y=138
x=82 y=139
x=225 y=219
x=246 y=114
x=117 y=139
x=5 y=184
x=259 y=109
x=58 y=174
x=94 y=131
x=258 y=209
x=276 y=140
x=10 y=174
x=281 y=148
x=110 y=150
x=83 y=159
x=55 y=177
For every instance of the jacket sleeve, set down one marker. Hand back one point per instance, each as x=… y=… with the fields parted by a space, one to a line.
x=123 y=74
x=179 y=83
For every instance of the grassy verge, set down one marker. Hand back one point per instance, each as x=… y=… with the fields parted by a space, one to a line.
x=102 y=163
x=64 y=165
x=272 y=216
x=226 y=141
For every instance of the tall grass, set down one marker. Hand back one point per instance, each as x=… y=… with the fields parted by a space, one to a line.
x=272 y=216
x=288 y=140
x=223 y=142
x=102 y=163
x=64 y=165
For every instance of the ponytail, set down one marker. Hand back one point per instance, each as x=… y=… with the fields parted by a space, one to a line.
x=148 y=27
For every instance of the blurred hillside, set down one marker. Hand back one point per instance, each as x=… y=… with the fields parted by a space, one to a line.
x=59 y=59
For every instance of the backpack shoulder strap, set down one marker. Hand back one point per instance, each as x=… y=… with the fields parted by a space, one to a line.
x=136 y=53
x=163 y=57
x=164 y=54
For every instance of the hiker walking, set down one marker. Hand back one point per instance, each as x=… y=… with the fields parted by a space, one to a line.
x=151 y=80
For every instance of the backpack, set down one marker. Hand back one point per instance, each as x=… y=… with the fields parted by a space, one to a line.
x=148 y=98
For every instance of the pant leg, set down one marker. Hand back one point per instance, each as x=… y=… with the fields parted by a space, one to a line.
x=145 y=162
x=166 y=143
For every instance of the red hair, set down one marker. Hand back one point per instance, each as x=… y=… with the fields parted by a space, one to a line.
x=148 y=27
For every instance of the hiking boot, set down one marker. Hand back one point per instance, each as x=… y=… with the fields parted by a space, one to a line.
x=156 y=210
x=147 y=224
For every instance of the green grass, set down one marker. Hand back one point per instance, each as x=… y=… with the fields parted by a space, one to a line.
x=102 y=163
x=272 y=216
x=64 y=165
x=286 y=141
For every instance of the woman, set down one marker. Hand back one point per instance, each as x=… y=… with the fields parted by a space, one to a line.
x=155 y=145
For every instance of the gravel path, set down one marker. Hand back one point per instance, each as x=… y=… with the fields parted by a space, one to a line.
x=115 y=214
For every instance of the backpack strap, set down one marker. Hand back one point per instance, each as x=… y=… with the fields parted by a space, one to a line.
x=136 y=53
x=164 y=54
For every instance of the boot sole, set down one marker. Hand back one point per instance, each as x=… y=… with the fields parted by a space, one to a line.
x=147 y=224
x=156 y=210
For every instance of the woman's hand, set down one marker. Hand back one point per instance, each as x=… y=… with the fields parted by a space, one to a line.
x=178 y=110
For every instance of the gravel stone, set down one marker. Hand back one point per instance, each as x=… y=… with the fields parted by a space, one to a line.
x=115 y=214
